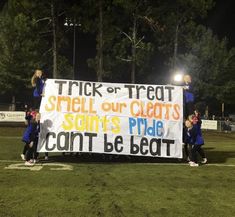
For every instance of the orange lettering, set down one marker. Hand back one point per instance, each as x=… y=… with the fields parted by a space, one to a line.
x=176 y=112
x=75 y=101
x=167 y=106
x=60 y=100
x=158 y=111
x=134 y=108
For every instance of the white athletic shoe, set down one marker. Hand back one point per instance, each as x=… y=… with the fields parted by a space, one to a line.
x=35 y=160
x=22 y=156
x=28 y=163
x=193 y=164
x=46 y=158
x=204 y=160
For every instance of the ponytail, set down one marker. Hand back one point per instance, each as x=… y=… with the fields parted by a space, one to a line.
x=33 y=80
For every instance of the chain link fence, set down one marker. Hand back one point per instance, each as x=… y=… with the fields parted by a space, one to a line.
x=18 y=106
x=226 y=126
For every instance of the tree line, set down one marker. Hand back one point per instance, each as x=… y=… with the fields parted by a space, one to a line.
x=136 y=41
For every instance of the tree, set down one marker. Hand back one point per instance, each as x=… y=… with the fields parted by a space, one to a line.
x=48 y=17
x=30 y=39
x=211 y=63
x=18 y=56
x=179 y=19
x=91 y=14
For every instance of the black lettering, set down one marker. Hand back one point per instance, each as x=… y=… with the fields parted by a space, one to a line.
x=86 y=93
x=149 y=90
x=95 y=89
x=90 y=135
x=143 y=143
x=71 y=83
x=65 y=146
x=168 y=142
x=158 y=147
x=108 y=146
x=169 y=88
x=73 y=136
x=118 y=140
x=47 y=141
x=116 y=89
x=134 y=149
x=60 y=86
x=159 y=93
x=80 y=89
x=129 y=87
x=138 y=88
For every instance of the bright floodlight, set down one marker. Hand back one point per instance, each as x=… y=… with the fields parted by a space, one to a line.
x=178 y=77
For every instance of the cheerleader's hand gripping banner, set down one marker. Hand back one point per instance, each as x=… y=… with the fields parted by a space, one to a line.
x=126 y=119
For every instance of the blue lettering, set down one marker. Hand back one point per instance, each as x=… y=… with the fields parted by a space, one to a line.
x=159 y=128
x=142 y=127
x=132 y=123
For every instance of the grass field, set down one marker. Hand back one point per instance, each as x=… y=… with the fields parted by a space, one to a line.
x=136 y=187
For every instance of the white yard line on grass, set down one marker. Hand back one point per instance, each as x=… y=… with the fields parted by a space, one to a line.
x=156 y=164
x=185 y=164
x=20 y=165
x=10 y=137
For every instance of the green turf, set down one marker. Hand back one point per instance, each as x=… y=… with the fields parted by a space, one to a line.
x=124 y=188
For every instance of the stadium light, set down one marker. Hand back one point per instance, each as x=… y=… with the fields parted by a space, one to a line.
x=178 y=76
x=70 y=23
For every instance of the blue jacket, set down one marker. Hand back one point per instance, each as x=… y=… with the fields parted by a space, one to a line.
x=39 y=87
x=188 y=94
x=31 y=132
x=194 y=136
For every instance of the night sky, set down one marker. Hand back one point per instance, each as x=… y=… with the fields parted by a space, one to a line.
x=222 y=20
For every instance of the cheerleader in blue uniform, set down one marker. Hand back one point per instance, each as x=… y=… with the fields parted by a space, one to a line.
x=37 y=82
x=188 y=96
x=194 y=138
x=28 y=136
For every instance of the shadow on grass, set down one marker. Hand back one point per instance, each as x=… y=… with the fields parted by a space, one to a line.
x=212 y=155
x=219 y=156
x=108 y=158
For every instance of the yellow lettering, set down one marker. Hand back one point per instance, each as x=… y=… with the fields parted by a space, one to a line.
x=94 y=123
x=68 y=122
x=116 y=125
x=51 y=106
x=80 y=122
x=60 y=100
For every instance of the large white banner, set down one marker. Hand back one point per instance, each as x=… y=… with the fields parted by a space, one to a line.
x=129 y=119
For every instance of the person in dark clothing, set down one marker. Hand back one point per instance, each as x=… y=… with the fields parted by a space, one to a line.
x=30 y=138
x=194 y=138
x=29 y=115
x=35 y=138
x=188 y=96
x=37 y=82
x=187 y=148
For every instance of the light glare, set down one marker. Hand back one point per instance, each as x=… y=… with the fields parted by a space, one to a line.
x=178 y=77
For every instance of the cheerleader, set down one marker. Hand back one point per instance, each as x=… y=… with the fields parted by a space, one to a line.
x=37 y=82
x=188 y=96
x=194 y=138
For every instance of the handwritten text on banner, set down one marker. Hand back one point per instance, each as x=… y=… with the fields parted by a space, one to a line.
x=129 y=119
